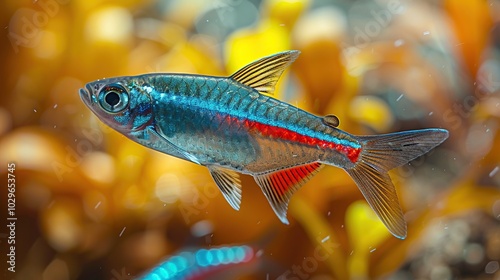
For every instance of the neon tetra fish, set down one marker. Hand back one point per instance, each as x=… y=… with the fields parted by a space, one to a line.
x=214 y=263
x=228 y=125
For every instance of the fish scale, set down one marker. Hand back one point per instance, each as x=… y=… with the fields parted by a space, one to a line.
x=231 y=126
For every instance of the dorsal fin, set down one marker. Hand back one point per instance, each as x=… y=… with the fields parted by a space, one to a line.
x=279 y=186
x=263 y=74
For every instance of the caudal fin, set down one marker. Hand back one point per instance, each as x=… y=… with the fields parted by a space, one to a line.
x=382 y=153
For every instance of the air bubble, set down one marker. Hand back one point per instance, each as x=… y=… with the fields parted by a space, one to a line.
x=492 y=267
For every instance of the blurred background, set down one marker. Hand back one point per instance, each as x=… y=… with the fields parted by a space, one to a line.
x=91 y=204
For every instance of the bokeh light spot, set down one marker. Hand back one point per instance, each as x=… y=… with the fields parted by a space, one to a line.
x=371 y=111
x=99 y=166
x=168 y=188
x=474 y=253
x=112 y=24
x=50 y=46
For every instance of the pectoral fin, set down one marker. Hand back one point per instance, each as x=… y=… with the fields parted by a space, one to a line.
x=279 y=186
x=229 y=184
x=151 y=138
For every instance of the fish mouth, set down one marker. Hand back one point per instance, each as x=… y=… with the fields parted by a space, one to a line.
x=85 y=95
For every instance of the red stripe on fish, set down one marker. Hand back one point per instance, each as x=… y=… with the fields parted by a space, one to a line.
x=286 y=134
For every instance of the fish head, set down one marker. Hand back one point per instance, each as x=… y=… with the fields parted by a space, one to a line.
x=123 y=103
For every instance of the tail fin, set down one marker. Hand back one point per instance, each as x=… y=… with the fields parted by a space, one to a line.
x=382 y=153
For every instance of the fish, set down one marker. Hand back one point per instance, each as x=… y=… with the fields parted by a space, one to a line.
x=227 y=261
x=200 y=263
x=232 y=125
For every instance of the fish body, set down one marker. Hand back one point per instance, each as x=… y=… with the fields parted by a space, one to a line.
x=218 y=121
x=231 y=126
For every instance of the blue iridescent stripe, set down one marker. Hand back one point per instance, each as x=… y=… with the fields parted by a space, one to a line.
x=189 y=263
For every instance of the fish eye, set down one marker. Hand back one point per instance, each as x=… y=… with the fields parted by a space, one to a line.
x=113 y=98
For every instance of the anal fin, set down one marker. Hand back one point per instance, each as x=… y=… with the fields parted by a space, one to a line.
x=279 y=186
x=229 y=184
